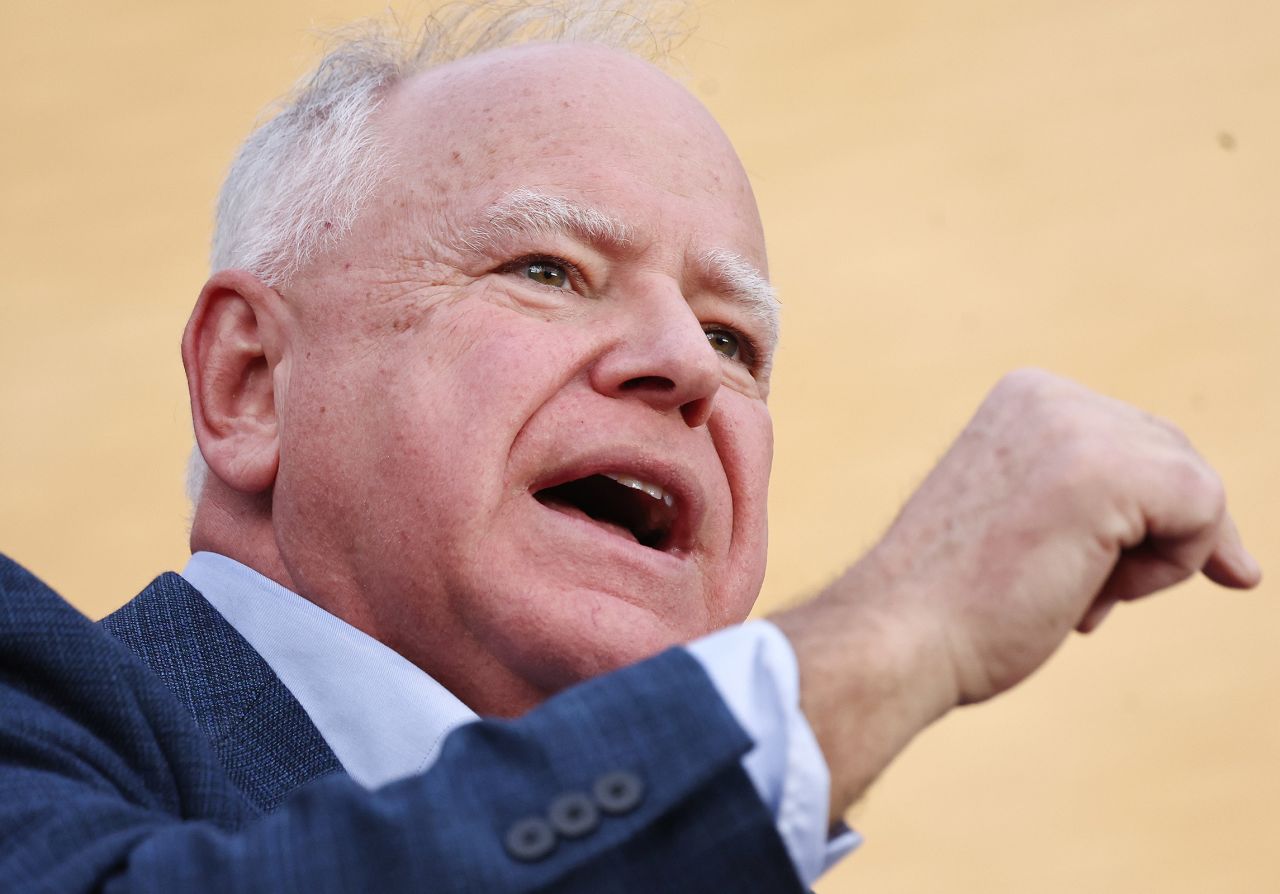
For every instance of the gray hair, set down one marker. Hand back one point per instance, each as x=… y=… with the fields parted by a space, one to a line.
x=301 y=178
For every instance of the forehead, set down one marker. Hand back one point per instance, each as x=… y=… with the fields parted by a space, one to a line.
x=584 y=122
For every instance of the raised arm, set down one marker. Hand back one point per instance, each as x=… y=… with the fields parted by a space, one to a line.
x=1052 y=505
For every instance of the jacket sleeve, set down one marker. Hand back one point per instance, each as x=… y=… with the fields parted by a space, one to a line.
x=628 y=783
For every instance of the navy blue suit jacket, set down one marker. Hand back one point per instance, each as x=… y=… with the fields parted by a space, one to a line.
x=157 y=752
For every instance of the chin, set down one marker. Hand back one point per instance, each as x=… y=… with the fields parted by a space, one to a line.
x=579 y=634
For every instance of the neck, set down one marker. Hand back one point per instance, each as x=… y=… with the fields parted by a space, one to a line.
x=239 y=527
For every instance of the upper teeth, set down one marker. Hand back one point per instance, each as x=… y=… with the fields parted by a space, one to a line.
x=651 y=489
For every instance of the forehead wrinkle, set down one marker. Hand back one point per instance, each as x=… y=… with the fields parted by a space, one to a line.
x=746 y=286
x=529 y=212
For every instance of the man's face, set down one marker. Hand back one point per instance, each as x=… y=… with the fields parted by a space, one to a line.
x=524 y=432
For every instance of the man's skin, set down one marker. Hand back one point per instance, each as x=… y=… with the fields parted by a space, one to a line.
x=377 y=428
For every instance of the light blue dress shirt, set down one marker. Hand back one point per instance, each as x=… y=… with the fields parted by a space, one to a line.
x=385 y=719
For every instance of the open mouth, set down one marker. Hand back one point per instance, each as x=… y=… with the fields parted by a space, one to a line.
x=621 y=504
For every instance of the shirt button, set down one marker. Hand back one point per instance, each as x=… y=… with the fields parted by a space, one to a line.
x=530 y=839
x=573 y=815
x=618 y=792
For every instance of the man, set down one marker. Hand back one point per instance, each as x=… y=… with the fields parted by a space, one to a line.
x=480 y=380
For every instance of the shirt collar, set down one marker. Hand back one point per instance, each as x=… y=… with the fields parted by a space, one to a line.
x=384 y=718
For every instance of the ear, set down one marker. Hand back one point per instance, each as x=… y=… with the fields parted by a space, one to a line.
x=233 y=348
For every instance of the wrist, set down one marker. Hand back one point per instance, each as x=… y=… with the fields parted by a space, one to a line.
x=871 y=676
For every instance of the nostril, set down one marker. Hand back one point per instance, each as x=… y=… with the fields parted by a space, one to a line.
x=697 y=412
x=649 y=383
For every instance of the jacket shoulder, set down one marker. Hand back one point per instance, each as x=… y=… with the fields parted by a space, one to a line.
x=75 y=702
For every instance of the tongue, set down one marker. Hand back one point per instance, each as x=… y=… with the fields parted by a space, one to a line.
x=569 y=509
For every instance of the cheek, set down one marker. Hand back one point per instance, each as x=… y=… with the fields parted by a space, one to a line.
x=317 y=433
x=743 y=433
x=495 y=354
x=430 y=412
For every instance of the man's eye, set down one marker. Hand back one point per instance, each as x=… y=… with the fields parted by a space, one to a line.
x=725 y=342
x=547 y=273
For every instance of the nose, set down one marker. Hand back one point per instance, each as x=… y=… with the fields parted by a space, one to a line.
x=661 y=357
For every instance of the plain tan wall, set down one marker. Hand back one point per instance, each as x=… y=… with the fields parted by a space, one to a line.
x=951 y=190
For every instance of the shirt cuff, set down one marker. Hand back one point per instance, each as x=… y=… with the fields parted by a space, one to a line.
x=754 y=669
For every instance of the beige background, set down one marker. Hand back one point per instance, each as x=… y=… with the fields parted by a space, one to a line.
x=951 y=189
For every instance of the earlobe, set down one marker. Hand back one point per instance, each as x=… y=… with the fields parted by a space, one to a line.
x=232 y=348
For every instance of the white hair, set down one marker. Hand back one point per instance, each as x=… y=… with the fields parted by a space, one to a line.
x=301 y=178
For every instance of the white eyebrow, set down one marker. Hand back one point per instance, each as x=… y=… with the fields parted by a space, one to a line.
x=747 y=287
x=529 y=211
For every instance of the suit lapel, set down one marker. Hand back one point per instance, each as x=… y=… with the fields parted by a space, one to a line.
x=262 y=736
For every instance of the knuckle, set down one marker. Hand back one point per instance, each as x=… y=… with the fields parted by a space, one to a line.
x=1200 y=489
x=1074 y=465
x=1029 y=404
x=1212 y=490
x=1178 y=436
x=1027 y=382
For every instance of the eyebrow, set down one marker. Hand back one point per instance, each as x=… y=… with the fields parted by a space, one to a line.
x=527 y=211
x=746 y=286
